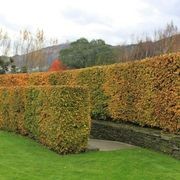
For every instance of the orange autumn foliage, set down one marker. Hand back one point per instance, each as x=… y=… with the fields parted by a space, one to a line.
x=45 y=114
x=57 y=65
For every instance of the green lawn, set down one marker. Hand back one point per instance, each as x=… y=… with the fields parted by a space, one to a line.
x=22 y=158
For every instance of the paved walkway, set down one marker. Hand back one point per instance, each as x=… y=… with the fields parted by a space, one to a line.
x=105 y=145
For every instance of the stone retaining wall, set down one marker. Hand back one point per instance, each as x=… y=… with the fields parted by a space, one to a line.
x=144 y=137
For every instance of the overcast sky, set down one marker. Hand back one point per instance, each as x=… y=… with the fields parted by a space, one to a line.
x=115 y=21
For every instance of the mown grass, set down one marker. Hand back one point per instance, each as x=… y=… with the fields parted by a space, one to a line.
x=22 y=158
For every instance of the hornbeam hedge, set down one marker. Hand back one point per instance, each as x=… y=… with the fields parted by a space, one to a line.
x=144 y=92
x=58 y=117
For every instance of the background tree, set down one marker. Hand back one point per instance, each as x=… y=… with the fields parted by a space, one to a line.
x=82 y=53
x=5 y=43
x=30 y=46
x=57 y=65
x=6 y=63
x=166 y=40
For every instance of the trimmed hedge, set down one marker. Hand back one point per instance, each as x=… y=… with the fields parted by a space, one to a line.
x=58 y=117
x=143 y=92
x=146 y=92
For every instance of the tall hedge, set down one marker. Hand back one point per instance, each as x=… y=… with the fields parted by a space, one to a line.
x=143 y=92
x=58 y=117
x=146 y=92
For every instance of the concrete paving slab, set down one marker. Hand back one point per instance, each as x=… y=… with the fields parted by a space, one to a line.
x=106 y=145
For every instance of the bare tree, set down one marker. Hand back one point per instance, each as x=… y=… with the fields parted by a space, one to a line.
x=30 y=47
x=165 y=40
x=5 y=43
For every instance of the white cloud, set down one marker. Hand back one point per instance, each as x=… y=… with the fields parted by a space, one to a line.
x=112 y=20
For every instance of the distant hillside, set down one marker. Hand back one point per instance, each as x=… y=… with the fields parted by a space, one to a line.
x=49 y=54
x=148 y=49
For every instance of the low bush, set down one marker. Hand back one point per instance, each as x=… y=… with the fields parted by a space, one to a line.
x=58 y=117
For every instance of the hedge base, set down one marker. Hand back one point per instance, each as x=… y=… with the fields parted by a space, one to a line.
x=139 y=136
